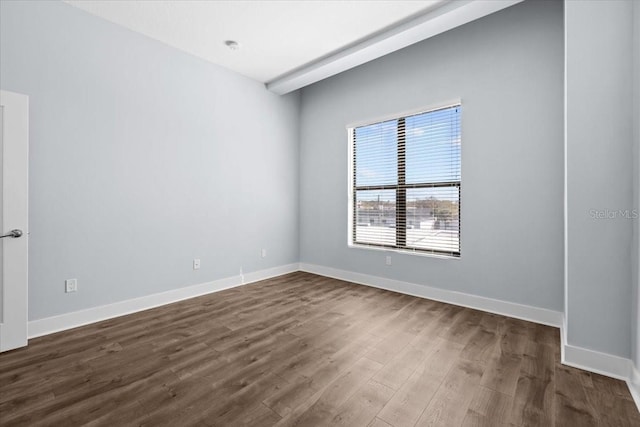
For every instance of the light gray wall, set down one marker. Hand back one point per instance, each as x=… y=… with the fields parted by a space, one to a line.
x=141 y=159
x=599 y=174
x=2 y=226
x=636 y=180
x=508 y=70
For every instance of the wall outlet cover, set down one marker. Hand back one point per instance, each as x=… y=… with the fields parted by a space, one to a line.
x=71 y=285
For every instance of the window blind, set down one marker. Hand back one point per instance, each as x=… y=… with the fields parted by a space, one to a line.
x=406 y=182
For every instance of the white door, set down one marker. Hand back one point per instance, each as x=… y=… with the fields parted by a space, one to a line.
x=14 y=171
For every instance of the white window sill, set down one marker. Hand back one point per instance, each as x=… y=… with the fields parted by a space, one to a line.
x=404 y=251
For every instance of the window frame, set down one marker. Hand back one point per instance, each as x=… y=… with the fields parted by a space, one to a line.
x=400 y=187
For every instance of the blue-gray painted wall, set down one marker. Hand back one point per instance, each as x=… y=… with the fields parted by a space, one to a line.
x=143 y=158
x=507 y=69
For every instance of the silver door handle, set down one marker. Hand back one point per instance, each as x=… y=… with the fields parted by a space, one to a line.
x=13 y=233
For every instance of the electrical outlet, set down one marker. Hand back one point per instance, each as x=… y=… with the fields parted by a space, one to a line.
x=196 y=264
x=263 y=253
x=388 y=261
x=71 y=285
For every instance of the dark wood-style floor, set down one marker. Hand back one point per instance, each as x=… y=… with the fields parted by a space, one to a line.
x=306 y=350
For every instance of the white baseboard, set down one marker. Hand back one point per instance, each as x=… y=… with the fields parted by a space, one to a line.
x=634 y=388
x=600 y=363
x=519 y=311
x=634 y=385
x=74 y=319
x=595 y=361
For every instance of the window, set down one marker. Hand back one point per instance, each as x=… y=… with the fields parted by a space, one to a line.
x=405 y=183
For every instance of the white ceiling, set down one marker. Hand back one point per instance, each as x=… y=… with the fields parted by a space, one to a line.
x=275 y=36
x=288 y=44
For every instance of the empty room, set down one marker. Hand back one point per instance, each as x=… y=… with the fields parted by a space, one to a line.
x=384 y=213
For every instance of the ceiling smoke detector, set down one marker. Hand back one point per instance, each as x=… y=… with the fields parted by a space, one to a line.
x=232 y=44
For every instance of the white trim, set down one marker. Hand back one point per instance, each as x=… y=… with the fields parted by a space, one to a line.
x=635 y=376
x=603 y=364
x=457 y=102
x=412 y=112
x=269 y=273
x=519 y=311
x=75 y=319
x=450 y=15
x=600 y=363
x=634 y=385
x=350 y=183
x=402 y=251
x=595 y=361
x=563 y=337
x=565 y=188
x=14 y=295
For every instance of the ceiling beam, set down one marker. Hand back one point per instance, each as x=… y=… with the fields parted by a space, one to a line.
x=450 y=15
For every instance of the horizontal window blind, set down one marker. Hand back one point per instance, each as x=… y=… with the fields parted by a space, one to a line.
x=406 y=182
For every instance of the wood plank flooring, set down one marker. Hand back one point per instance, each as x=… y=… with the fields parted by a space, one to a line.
x=306 y=350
